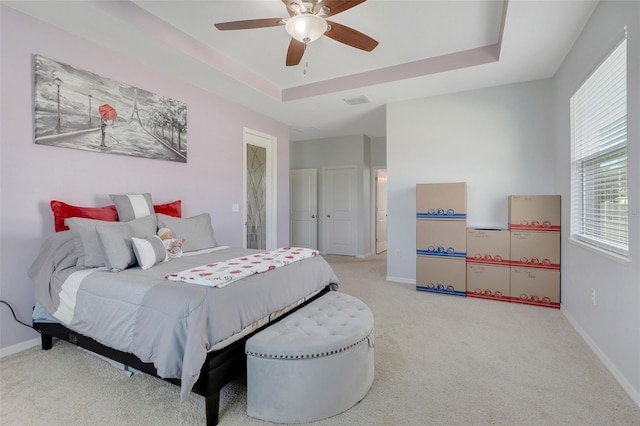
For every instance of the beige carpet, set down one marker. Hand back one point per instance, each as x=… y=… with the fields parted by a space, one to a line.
x=440 y=360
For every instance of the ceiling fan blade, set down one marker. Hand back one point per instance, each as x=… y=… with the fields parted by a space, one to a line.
x=295 y=52
x=337 y=6
x=350 y=37
x=250 y=24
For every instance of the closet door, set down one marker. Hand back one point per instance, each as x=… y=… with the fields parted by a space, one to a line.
x=339 y=195
x=303 y=210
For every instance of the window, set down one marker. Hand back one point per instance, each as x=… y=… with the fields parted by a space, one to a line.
x=599 y=212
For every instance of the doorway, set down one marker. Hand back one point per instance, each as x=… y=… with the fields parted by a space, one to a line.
x=381 y=210
x=259 y=189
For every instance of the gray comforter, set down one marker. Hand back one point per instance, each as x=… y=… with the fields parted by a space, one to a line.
x=171 y=324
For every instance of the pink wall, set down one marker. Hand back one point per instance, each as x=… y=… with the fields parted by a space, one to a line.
x=32 y=175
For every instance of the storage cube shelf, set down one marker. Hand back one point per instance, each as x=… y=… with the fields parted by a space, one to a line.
x=441 y=201
x=441 y=212
x=441 y=275
x=488 y=262
x=534 y=213
x=539 y=250
x=441 y=238
x=489 y=246
x=486 y=281
x=518 y=265
x=539 y=287
x=534 y=222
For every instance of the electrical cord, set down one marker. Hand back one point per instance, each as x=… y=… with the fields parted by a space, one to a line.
x=16 y=318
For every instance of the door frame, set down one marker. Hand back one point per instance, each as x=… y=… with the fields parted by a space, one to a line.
x=374 y=208
x=269 y=142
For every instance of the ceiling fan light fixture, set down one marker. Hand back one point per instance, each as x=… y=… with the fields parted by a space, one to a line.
x=306 y=27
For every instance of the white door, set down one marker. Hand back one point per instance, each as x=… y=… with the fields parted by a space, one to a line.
x=381 y=211
x=303 y=187
x=339 y=195
x=259 y=188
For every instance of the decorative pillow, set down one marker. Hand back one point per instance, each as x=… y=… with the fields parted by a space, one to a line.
x=90 y=251
x=173 y=208
x=144 y=226
x=196 y=231
x=61 y=211
x=149 y=251
x=132 y=206
x=115 y=242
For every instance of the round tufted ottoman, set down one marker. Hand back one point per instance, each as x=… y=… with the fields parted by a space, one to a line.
x=313 y=364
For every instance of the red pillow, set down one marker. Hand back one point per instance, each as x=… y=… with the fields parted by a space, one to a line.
x=173 y=208
x=61 y=211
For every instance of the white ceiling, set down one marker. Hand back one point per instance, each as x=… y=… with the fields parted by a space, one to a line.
x=425 y=48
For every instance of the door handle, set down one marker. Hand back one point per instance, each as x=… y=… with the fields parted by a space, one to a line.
x=313 y=216
x=329 y=215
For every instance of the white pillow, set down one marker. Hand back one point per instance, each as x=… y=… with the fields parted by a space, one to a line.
x=149 y=251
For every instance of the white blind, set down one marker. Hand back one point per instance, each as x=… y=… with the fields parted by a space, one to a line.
x=599 y=212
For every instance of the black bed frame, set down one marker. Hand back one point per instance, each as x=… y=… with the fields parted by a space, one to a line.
x=219 y=368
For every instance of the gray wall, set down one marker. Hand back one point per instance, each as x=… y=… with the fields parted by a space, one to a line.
x=379 y=153
x=498 y=140
x=354 y=150
x=612 y=326
x=515 y=139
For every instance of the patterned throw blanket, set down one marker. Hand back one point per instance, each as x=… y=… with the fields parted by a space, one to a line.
x=220 y=274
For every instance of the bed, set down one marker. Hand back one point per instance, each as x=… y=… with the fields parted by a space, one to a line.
x=127 y=309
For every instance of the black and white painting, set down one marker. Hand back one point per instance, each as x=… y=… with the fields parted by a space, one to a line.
x=82 y=110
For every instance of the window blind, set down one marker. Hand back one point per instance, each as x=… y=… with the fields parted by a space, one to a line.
x=599 y=212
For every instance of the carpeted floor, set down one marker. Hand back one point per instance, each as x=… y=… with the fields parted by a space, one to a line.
x=440 y=360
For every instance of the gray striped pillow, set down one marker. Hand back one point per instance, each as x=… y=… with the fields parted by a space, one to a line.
x=149 y=251
x=132 y=206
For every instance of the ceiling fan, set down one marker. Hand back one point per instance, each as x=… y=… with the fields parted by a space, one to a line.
x=307 y=22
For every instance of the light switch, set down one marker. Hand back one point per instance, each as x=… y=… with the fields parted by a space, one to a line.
x=235 y=208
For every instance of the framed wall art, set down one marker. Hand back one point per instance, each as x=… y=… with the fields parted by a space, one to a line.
x=82 y=110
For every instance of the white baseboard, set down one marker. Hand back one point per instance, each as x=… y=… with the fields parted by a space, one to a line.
x=634 y=394
x=364 y=256
x=19 y=347
x=401 y=280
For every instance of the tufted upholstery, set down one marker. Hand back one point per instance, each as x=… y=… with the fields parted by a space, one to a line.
x=313 y=364
x=331 y=324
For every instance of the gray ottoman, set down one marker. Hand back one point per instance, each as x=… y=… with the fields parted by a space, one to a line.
x=313 y=364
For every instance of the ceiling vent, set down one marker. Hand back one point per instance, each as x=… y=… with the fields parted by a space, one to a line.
x=357 y=100
x=304 y=129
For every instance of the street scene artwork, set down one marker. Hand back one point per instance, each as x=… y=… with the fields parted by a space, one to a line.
x=82 y=110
